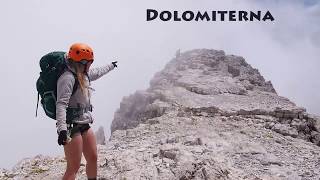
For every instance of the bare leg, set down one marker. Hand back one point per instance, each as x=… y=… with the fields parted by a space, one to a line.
x=90 y=153
x=73 y=153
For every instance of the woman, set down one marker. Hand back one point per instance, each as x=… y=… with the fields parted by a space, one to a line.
x=73 y=109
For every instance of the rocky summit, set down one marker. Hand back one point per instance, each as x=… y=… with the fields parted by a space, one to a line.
x=206 y=115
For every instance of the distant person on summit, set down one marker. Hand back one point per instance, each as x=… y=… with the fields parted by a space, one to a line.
x=73 y=109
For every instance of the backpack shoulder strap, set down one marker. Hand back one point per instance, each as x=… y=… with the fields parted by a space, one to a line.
x=76 y=82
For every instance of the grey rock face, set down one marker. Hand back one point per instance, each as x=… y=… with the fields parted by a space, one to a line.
x=206 y=115
x=100 y=136
x=205 y=79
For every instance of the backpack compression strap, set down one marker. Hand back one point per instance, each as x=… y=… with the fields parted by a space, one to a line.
x=37 y=105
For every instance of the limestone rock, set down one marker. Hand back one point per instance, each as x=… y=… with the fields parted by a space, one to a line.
x=100 y=136
x=206 y=115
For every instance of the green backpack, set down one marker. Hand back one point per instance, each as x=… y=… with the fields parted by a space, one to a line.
x=52 y=66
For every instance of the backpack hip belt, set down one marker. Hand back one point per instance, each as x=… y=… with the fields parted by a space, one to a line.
x=76 y=112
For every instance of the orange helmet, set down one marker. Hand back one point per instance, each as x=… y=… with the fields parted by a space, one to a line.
x=80 y=51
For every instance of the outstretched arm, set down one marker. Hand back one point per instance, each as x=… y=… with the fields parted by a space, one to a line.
x=96 y=73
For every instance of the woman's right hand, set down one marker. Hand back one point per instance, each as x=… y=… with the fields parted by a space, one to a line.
x=114 y=63
x=62 y=139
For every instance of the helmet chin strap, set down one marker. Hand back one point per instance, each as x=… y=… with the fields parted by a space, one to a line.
x=88 y=66
x=86 y=70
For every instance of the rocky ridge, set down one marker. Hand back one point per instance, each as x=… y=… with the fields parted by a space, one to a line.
x=100 y=136
x=206 y=115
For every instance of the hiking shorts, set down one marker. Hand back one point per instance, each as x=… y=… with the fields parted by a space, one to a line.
x=77 y=129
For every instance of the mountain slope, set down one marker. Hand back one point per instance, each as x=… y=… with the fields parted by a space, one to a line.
x=206 y=115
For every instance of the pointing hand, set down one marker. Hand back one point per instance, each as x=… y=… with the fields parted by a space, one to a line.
x=114 y=63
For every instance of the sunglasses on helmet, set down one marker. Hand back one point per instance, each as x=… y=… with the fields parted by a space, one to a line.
x=85 y=62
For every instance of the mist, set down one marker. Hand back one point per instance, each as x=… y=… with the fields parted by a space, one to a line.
x=286 y=51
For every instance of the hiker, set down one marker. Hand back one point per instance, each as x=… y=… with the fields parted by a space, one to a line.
x=73 y=109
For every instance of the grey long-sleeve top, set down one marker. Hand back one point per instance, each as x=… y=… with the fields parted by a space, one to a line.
x=65 y=98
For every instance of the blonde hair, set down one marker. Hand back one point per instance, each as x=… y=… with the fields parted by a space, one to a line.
x=80 y=76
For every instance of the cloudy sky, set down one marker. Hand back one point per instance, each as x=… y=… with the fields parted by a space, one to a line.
x=286 y=51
